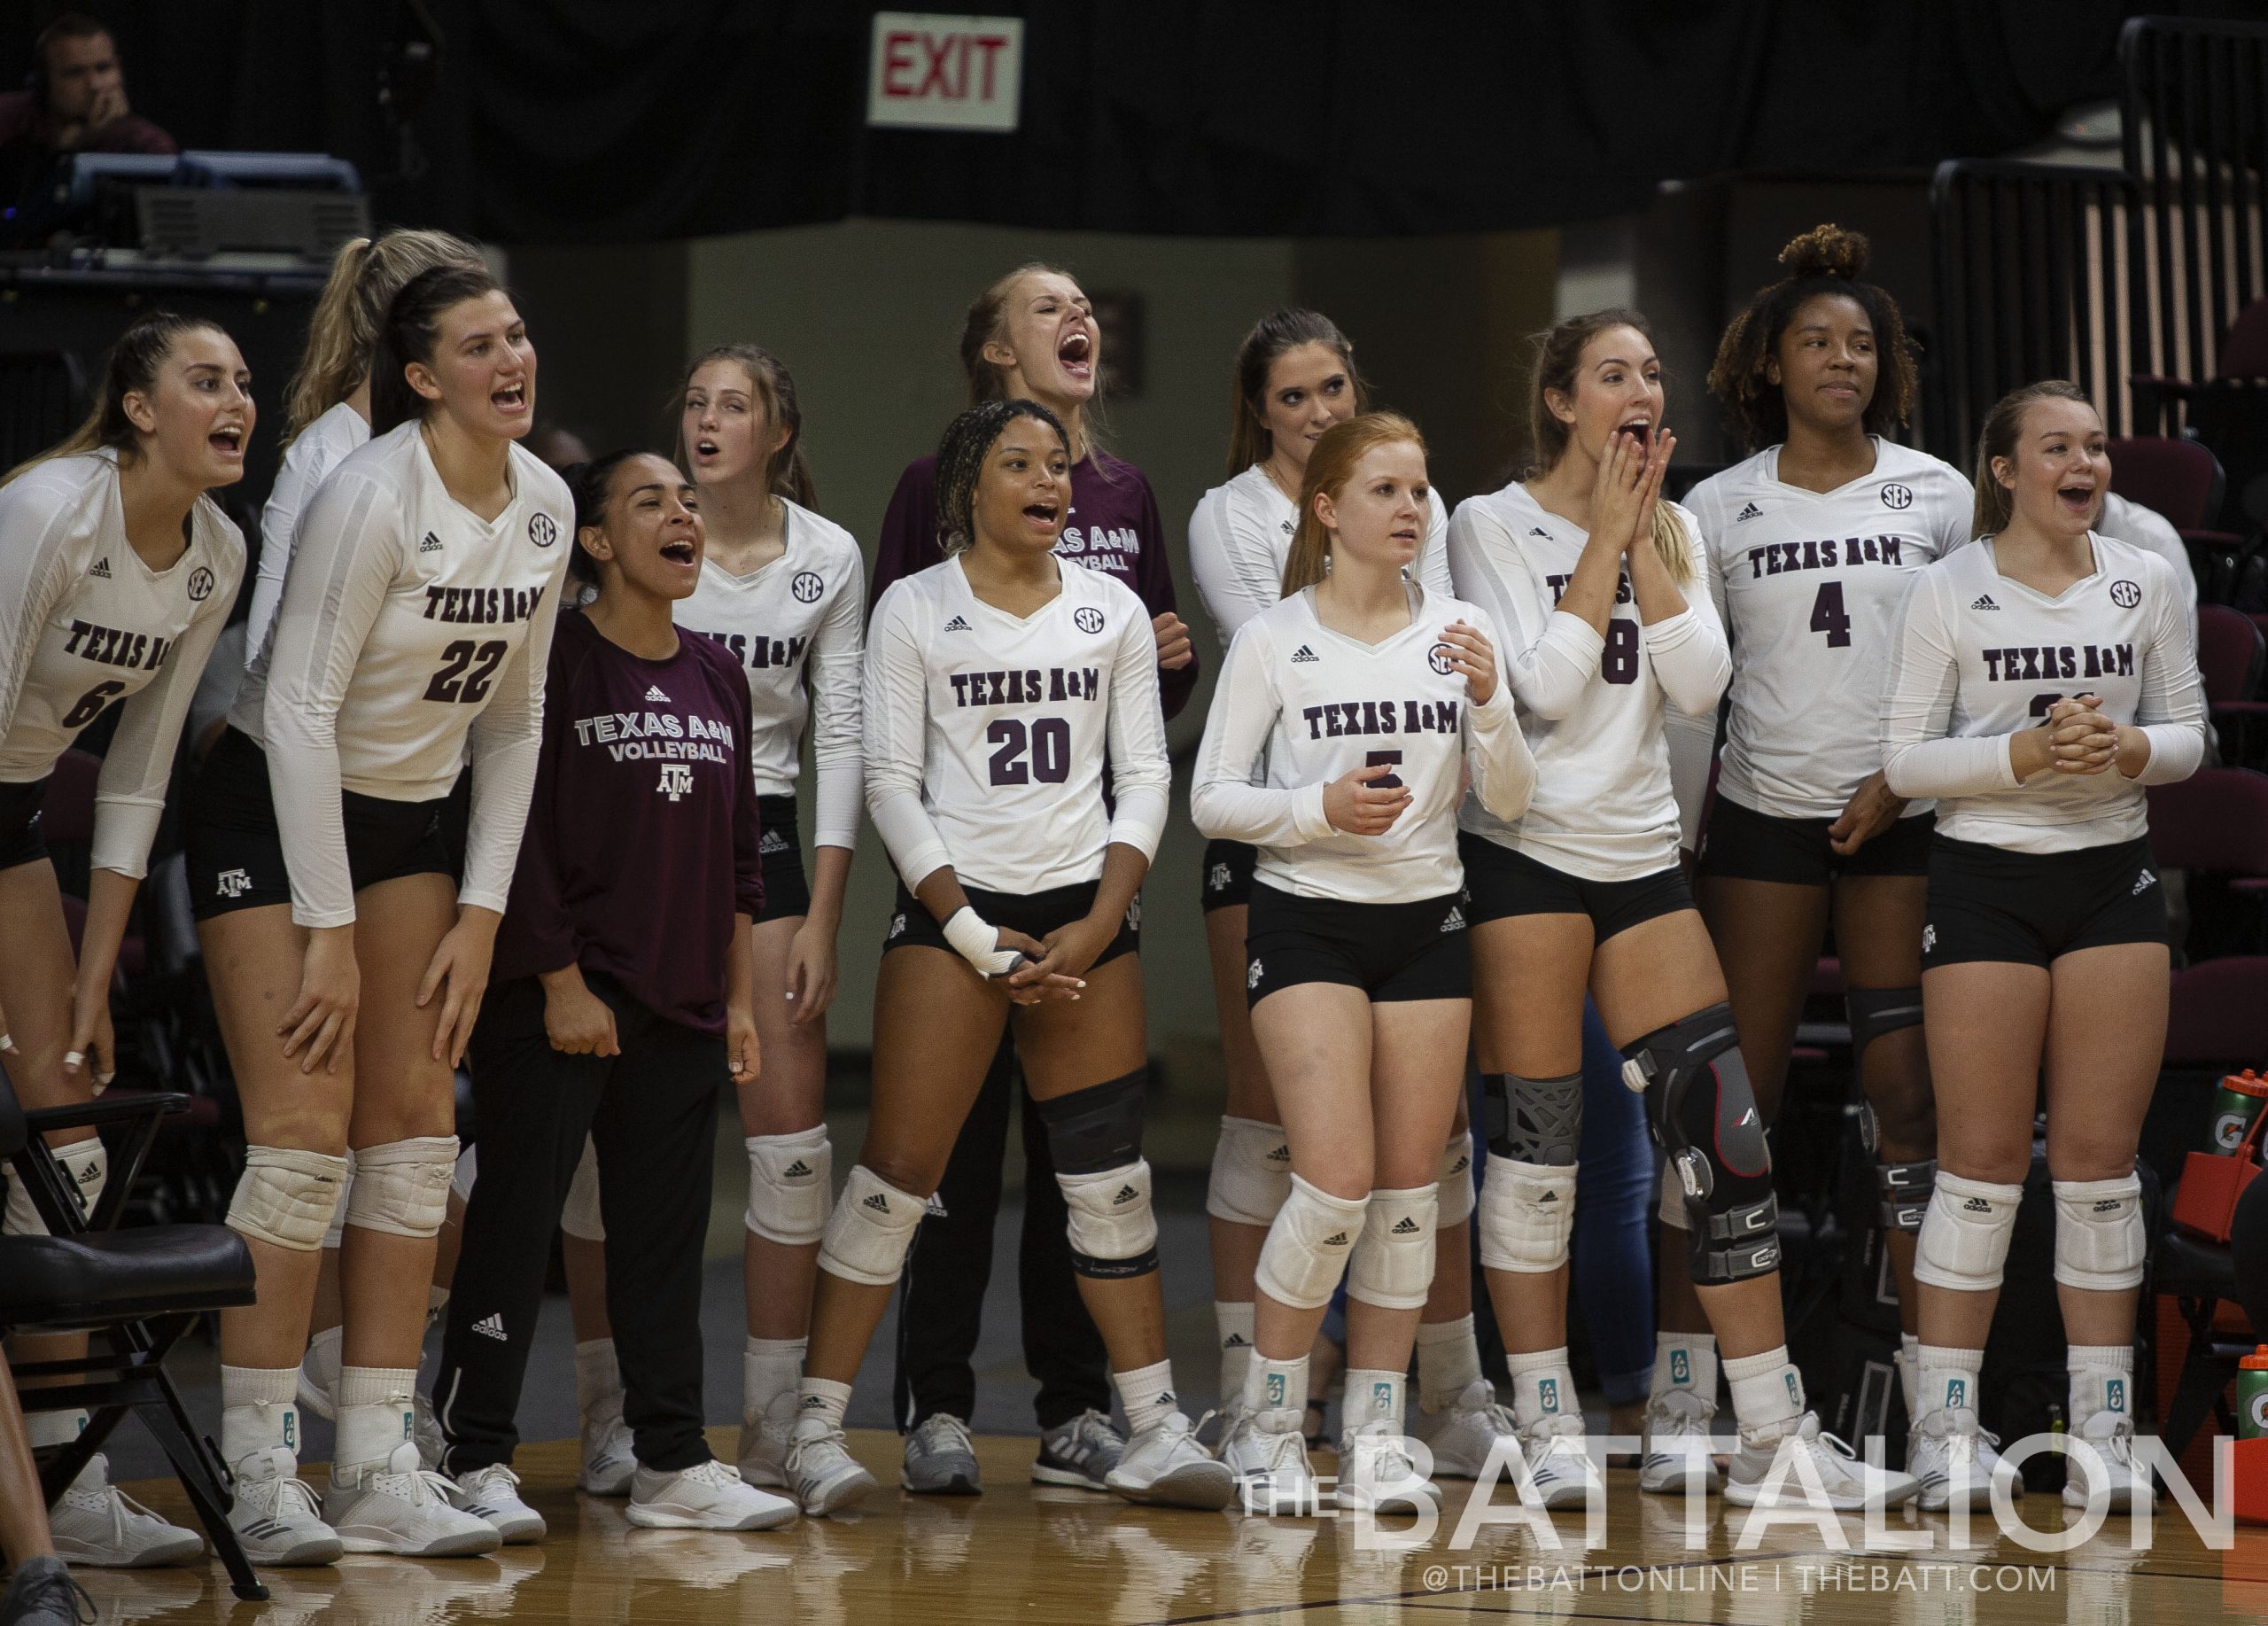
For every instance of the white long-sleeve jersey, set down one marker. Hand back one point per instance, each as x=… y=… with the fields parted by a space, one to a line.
x=1298 y=705
x=1809 y=585
x=308 y=461
x=83 y=622
x=986 y=734
x=409 y=625
x=1241 y=532
x=1980 y=658
x=796 y=627
x=1590 y=706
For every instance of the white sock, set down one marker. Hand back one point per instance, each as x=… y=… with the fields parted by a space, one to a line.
x=2102 y=1380
x=324 y=1355
x=823 y=1398
x=598 y=1376
x=1945 y=1379
x=1372 y=1397
x=376 y=1417
x=1685 y=1361
x=437 y=1301
x=1233 y=1322
x=1909 y=1373
x=1449 y=1361
x=1544 y=1388
x=257 y=1410
x=1277 y=1386
x=1767 y=1390
x=1146 y=1393
x=770 y=1367
x=48 y=1428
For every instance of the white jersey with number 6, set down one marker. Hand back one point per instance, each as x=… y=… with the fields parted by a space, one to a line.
x=1590 y=706
x=986 y=733
x=408 y=624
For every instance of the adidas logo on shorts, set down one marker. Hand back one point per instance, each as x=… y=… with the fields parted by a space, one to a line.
x=1303 y=653
x=878 y=1202
x=1751 y=512
x=1984 y=601
x=771 y=841
x=429 y=543
x=1455 y=921
x=100 y=567
x=2142 y=883
x=959 y=624
x=493 y=1327
x=654 y=692
x=936 y=1206
x=1405 y=1226
x=1126 y=1194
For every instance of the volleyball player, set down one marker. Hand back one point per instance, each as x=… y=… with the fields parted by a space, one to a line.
x=1031 y=335
x=416 y=616
x=2041 y=678
x=1810 y=546
x=624 y=996
x=1362 y=697
x=996 y=684
x=117 y=571
x=1597 y=584
x=1295 y=376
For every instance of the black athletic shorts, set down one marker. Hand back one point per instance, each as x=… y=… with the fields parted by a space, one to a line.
x=1033 y=914
x=779 y=848
x=1390 y=950
x=1227 y=875
x=21 y=841
x=1987 y=903
x=1742 y=844
x=235 y=852
x=1504 y=883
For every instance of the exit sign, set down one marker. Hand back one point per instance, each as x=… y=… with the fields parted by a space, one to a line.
x=931 y=72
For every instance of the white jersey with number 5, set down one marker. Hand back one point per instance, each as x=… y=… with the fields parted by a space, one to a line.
x=408 y=624
x=1590 y=706
x=986 y=732
x=1808 y=584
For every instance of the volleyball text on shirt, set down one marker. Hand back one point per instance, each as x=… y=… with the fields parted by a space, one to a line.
x=84 y=622
x=1299 y=705
x=1590 y=707
x=985 y=734
x=407 y=624
x=313 y=453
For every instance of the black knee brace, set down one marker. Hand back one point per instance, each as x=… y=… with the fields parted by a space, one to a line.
x=1703 y=1114
x=1096 y=1128
x=1872 y=1012
x=1534 y=1120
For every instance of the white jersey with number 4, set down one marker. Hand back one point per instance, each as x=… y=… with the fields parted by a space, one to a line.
x=986 y=732
x=1808 y=584
x=409 y=624
x=1590 y=706
x=1299 y=705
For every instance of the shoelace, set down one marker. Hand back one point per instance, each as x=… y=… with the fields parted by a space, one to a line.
x=713 y=1473
x=1093 y=1429
x=60 y=1588
x=943 y=1433
x=487 y=1477
x=418 y=1487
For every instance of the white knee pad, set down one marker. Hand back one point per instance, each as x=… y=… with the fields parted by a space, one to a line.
x=870 y=1230
x=402 y=1187
x=467 y=1173
x=1392 y=1266
x=790 y=1186
x=335 y=1232
x=1252 y=1173
x=1455 y=1180
x=286 y=1196
x=1308 y=1247
x=1527 y=1214
x=1964 y=1242
x=1113 y=1229
x=579 y=1216
x=85 y=1166
x=2101 y=1240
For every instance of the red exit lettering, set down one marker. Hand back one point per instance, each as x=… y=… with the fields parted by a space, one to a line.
x=918 y=65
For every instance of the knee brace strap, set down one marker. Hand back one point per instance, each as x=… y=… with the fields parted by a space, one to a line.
x=1252 y=1173
x=466 y=1174
x=1702 y=1115
x=1534 y=1120
x=1872 y=1012
x=335 y=1232
x=86 y=1170
x=1392 y=1264
x=1308 y=1245
x=581 y=1217
x=402 y=1186
x=1905 y=1190
x=1965 y=1233
x=286 y=1196
x=870 y=1230
x=1527 y=1214
x=2101 y=1239
x=1096 y=1128
x=1455 y=1178
x=1114 y=1230
x=790 y=1186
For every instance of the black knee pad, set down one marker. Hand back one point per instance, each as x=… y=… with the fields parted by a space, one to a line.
x=1099 y=1127
x=1534 y=1120
x=1872 y=1012
x=1702 y=1111
x=1904 y=1189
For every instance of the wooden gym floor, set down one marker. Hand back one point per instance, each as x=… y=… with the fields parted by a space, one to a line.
x=1023 y=1553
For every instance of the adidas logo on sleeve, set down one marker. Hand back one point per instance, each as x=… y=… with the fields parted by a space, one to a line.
x=1984 y=601
x=1304 y=654
x=959 y=624
x=430 y=544
x=100 y=567
x=1751 y=512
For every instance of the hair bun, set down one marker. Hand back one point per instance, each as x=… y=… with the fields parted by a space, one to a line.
x=1826 y=250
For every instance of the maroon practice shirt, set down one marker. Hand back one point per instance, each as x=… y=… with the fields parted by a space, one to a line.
x=1112 y=525
x=641 y=838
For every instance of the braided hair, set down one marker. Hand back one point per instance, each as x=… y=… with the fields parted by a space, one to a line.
x=968 y=440
x=1826 y=260
x=589 y=483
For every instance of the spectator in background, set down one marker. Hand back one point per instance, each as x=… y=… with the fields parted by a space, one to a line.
x=74 y=101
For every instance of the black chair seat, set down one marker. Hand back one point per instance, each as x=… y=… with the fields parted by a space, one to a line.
x=2190 y=1268
x=149 y=1270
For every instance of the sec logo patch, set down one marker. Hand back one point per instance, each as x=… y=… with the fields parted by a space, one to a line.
x=2125 y=595
x=1895 y=496
x=807 y=586
x=200 y=585
x=1439 y=658
x=1087 y=618
x=542 y=530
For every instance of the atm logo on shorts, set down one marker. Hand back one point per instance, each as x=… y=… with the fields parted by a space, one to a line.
x=1252 y=976
x=233 y=883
